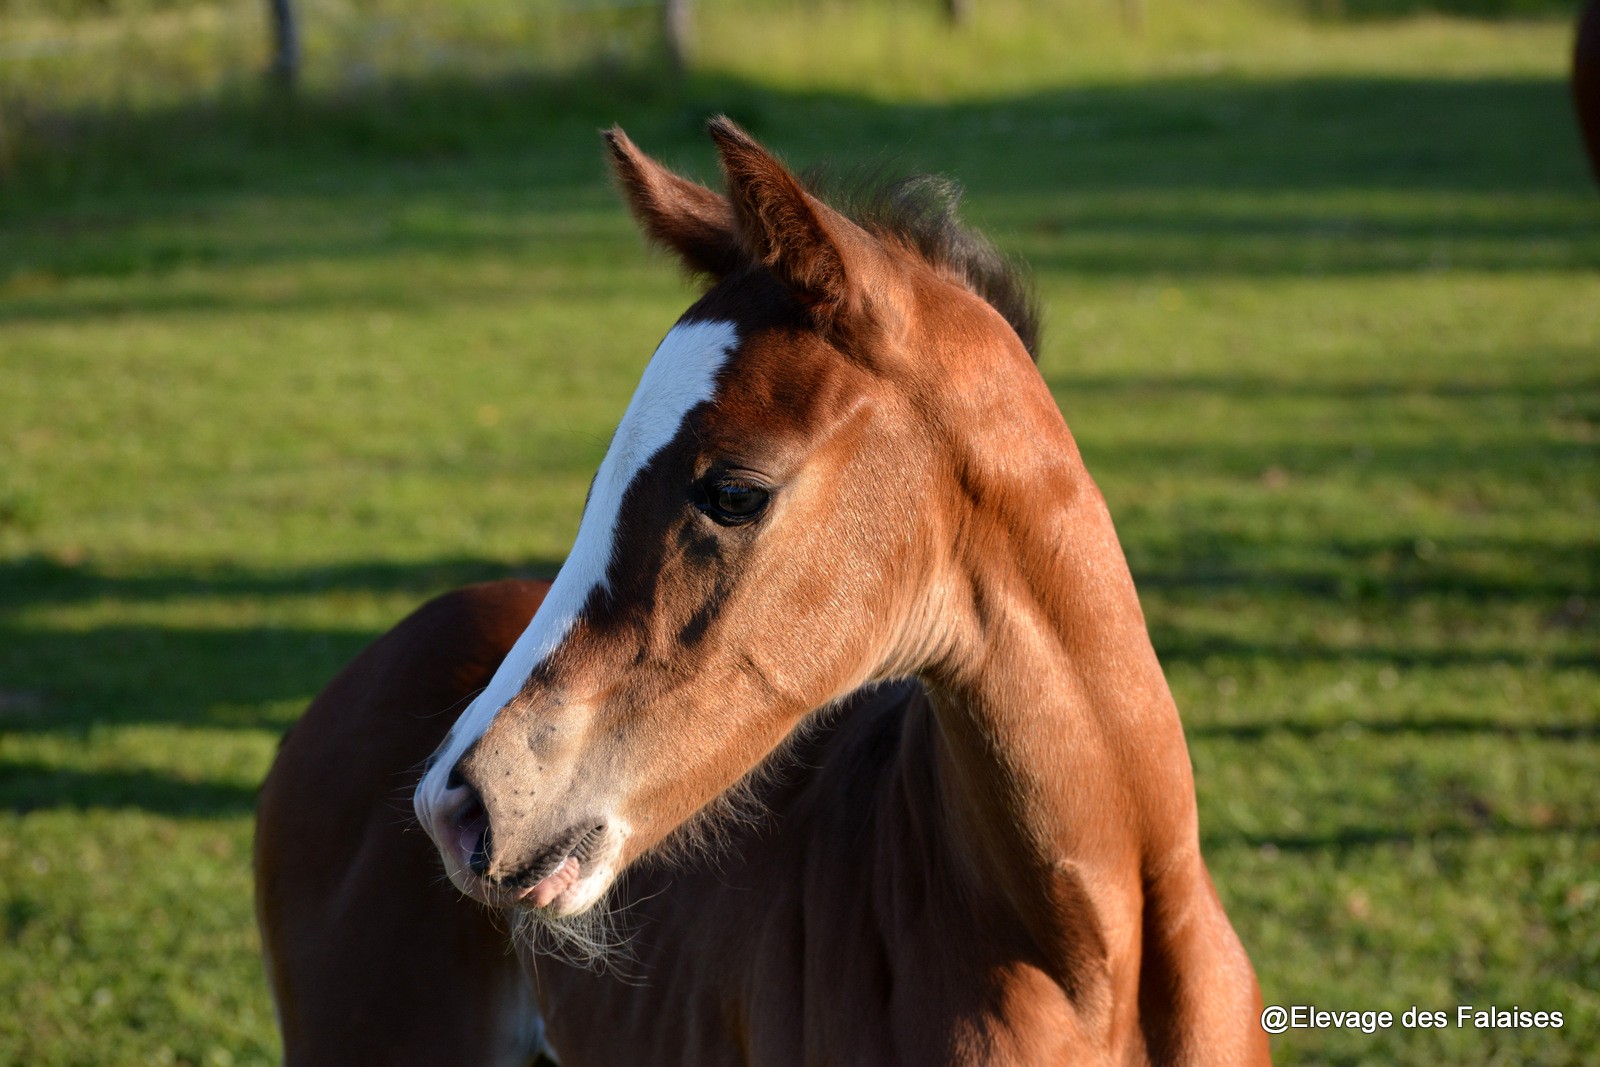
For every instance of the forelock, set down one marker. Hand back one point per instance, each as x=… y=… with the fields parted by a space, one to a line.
x=920 y=214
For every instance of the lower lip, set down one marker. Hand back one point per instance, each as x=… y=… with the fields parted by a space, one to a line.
x=552 y=885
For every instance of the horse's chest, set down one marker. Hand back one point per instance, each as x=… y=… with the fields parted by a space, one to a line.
x=725 y=974
x=833 y=934
x=858 y=1019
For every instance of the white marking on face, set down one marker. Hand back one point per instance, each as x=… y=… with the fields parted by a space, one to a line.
x=680 y=376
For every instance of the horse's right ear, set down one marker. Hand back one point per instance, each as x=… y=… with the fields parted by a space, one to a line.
x=688 y=219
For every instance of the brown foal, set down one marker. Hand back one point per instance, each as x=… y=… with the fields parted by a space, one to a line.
x=842 y=560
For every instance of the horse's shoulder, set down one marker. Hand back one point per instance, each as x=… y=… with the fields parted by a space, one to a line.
x=493 y=613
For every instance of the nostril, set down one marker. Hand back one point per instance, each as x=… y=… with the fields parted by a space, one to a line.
x=461 y=823
x=472 y=831
x=479 y=861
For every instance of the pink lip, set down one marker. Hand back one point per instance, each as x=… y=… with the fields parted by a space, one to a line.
x=553 y=885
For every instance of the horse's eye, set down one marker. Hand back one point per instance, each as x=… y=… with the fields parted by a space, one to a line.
x=733 y=502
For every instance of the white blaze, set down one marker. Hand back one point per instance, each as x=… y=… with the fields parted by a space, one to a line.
x=680 y=376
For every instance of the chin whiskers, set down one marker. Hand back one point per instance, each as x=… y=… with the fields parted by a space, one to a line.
x=593 y=939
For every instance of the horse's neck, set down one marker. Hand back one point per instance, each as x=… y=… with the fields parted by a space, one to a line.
x=1066 y=780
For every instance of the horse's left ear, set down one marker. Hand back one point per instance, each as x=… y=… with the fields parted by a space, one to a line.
x=821 y=255
x=689 y=220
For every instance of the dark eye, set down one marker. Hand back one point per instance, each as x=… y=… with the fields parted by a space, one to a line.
x=733 y=502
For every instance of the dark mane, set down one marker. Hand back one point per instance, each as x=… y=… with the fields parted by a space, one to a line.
x=920 y=213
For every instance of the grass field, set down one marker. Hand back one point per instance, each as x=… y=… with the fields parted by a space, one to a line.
x=1323 y=309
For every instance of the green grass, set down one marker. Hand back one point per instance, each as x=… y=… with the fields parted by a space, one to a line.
x=1323 y=308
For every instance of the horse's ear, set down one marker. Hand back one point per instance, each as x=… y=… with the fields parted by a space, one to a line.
x=690 y=220
x=815 y=250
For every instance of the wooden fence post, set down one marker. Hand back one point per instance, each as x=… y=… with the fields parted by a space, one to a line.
x=677 y=26
x=285 y=66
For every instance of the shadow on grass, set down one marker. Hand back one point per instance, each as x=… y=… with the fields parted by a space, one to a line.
x=1124 y=388
x=1363 y=837
x=1178 y=645
x=1378 y=10
x=1487 y=571
x=37 y=580
x=1175 y=175
x=239 y=677
x=28 y=787
x=1434 y=725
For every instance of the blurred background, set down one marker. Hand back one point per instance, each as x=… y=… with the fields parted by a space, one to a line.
x=299 y=328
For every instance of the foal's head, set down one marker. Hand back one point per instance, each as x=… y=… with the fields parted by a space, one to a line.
x=786 y=512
